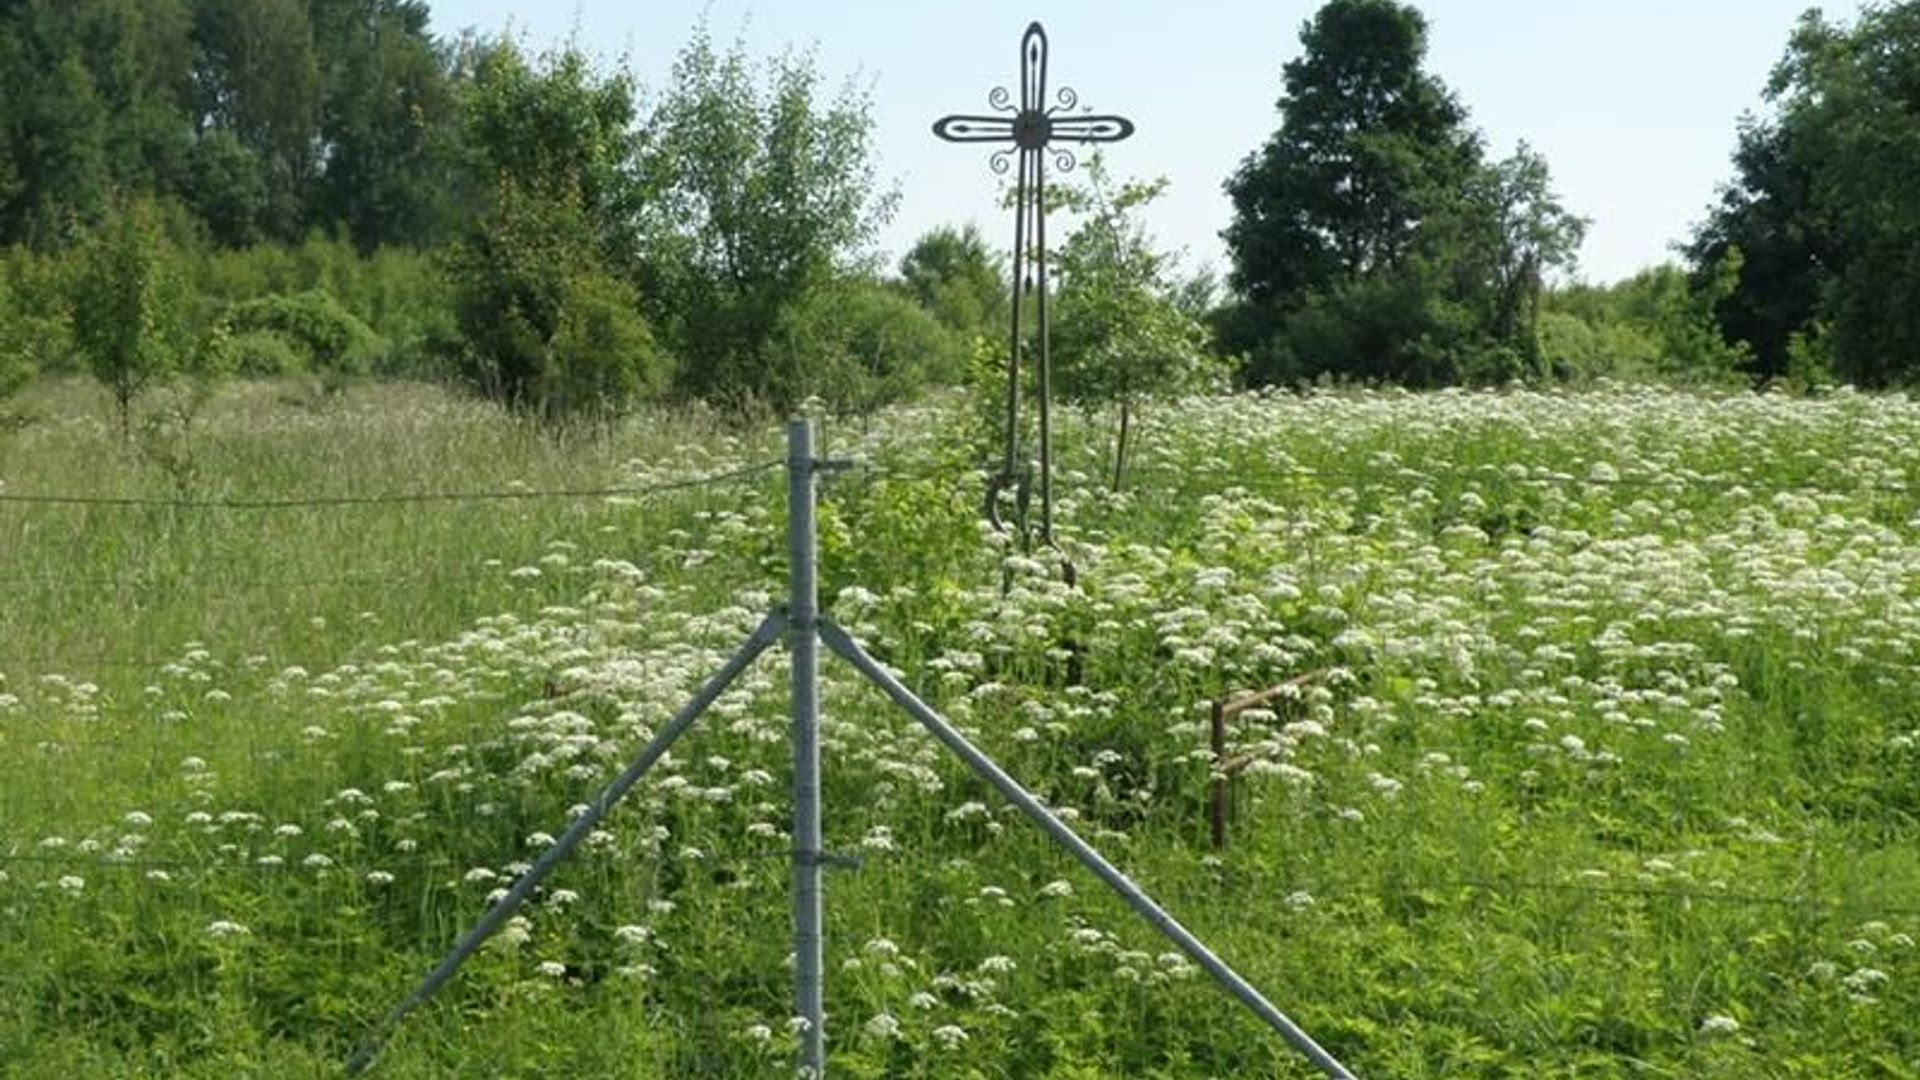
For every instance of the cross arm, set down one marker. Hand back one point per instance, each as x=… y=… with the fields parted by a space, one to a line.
x=1091 y=129
x=974 y=129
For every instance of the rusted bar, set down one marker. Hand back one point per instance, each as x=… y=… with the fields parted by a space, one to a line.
x=1220 y=795
x=1218 y=810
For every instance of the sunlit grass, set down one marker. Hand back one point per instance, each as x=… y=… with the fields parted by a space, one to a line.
x=1611 y=763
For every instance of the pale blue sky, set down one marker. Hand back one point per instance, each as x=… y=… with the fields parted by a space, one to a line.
x=1633 y=102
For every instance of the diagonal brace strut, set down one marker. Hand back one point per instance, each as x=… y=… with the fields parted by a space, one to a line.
x=849 y=650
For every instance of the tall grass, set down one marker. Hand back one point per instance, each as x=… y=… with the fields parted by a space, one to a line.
x=1609 y=767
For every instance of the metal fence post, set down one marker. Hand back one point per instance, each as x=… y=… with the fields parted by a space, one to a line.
x=803 y=627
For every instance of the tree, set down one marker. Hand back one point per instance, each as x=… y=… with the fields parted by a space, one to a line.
x=95 y=101
x=556 y=119
x=1531 y=234
x=549 y=330
x=1823 y=213
x=1370 y=238
x=255 y=75
x=53 y=131
x=951 y=273
x=388 y=124
x=16 y=365
x=1120 y=334
x=1368 y=147
x=132 y=306
x=544 y=299
x=765 y=193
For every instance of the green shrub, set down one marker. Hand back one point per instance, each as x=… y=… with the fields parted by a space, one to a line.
x=327 y=337
x=42 y=329
x=859 y=345
x=602 y=357
x=265 y=353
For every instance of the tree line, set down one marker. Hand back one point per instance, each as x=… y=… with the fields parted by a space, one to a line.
x=203 y=187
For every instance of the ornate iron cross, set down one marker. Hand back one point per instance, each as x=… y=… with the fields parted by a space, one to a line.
x=1031 y=128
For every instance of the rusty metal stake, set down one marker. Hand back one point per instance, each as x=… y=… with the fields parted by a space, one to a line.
x=1220 y=795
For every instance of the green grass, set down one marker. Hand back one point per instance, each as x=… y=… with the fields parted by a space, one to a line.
x=1612 y=767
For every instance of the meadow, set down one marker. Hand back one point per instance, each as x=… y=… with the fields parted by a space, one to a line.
x=1607 y=763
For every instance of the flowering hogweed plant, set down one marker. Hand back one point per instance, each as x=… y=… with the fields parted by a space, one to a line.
x=1611 y=727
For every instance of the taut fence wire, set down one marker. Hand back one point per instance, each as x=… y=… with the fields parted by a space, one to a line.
x=415 y=498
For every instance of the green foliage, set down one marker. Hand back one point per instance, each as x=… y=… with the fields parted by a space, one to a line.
x=322 y=335
x=952 y=274
x=556 y=122
x=858 y=344
x=266 y=353
x=1657 y=325
x=16 y=363
x=133 y=313
x=1823 y=208
x=764 y=193
x=265 y=117
x=1370 y=239
x=542 y=279
x=400 y=294
x=548 y=329
x=1368 y=146
x=1120 y=335
x=390 y=122
x=256 y=77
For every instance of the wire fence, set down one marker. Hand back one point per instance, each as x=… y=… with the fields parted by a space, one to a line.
x=219 y=590
x=1222 y=890
x=1138 y=476
x=223 y=591
x=415 y=498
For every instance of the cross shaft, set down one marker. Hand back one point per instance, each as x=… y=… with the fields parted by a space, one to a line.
x=1029 y=131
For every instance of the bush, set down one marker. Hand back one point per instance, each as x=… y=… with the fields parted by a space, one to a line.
x=16 y=366
x=548 y=327
x=264 y=354
x=41 y=333
x=602 y=356
x=859 y=345
x=325 y=336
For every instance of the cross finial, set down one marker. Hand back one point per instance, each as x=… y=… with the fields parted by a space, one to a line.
x=1030 y=130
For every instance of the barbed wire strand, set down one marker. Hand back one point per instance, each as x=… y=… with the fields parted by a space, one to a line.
x=395 y=499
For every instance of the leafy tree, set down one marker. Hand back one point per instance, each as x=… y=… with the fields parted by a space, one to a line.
x=1531 y=234
x=1658 y=324
x=132 y=307
x=952 y=274
x=765 y=193
x=1369 y=237
x=95 y=97
x=226 y=188
x=556 y=121
x=1120 y=334
x=16 y=365
x=388 y=124
x=548 y=329
x=1823 y=212
x=55 y=133
x=256 y=76
x=544 y=299
x=1368 y=147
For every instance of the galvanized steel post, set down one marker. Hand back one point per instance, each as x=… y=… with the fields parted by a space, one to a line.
x=803 y=627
